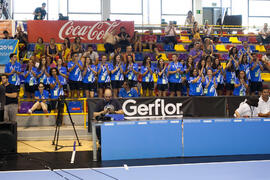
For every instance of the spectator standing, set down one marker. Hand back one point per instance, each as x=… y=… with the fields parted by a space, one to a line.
x=75 y=68
x=264 y=35
x=136 y=41
x=103 y=71
x=13 y=71
x=208 y=47
x=195 y=83
x=264 y=104
x=189 y=19
x=218 y=72
x=89 y=78
x=23 y=42
x=117 y=74
x=175 y=69
x=131 y=71
x=241 y=84
x=93 y=55
x=63 y=72
x=11 y=95
x=147 y=71
x=196 y=53
x=40 y=12
x=124 y=38
x=230 y=69
x=162 y=74
x=109 y=40
x=210 y=84
x=43 y=73
x=256 y=67
x=244 y=65
x=30 y=75
x=170 y=34
x=245 y=49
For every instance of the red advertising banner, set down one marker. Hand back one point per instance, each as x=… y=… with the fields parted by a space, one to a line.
x=88 y=31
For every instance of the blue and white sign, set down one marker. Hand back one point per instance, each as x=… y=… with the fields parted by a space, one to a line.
x=7 y=46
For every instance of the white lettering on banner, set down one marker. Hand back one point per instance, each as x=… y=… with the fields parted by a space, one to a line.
x=92 y=32
x=6 y=47
x=157 y=108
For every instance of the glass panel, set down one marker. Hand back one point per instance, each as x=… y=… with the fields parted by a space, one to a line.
x=63 y=7
x=176 y=6
x=53 y=10
x=90 y=6
x=27 y=6
x=154 y=12
x=180 y=20
x=126 y=6
x=23 y=16
x=259 y=8
x=210 y=3
x=136 y=18
x=240 y=7
x=85 y=17
x=258 y=21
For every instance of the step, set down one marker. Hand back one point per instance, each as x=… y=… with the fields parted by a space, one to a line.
x=47 y=133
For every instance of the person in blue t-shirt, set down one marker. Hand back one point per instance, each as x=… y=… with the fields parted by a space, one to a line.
x=63 y=72
x=41 y=95
x=117 y=74
x=43 y=73
x=210 y=84
x=244 y=64
x=175 y=69
x=103 y=71
x=196 y=83
x=75 y=68
x=256 y=67
x=13 y=71
x=56 y=83
x=127 y=91
x=147 y=71
x=89 y=78
x=231 y=67
x=188 y=67
x=218 y=72
x=241 y=84
x=30 y=83
x=162 y=74
x=131 y=71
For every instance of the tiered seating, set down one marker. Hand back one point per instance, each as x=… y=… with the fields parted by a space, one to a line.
x=260 y=48
x=234 y=40
x=100 y=47
x=179 y=48
x=224 y=40
x=185 y=39
x=221 y=48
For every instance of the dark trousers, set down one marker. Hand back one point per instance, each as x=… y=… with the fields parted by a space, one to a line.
x=1 y=115
x=263 y=41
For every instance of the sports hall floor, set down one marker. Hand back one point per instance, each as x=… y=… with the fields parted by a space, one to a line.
x=33 y=162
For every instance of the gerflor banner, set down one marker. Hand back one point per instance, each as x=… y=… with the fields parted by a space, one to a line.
x=7 y=46
x=88 y=31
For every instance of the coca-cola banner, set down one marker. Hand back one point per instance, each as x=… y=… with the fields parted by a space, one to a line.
x=88 y=31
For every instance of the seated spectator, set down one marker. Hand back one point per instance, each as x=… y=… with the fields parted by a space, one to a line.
x=136 y=41
x=13 y=71
x=89 y=78
x=30 y=82
x=75 y=68
x=43 y=73
x=195 y=30
x=117 y=50
x=124 y=38
x=256 y=68
x=151 y=40
x=52 y=50
x=195 y=83
x=41 y=95
x=264 y=104
x=56 y=86
x=6 y=35
x=170 y=34
x=248 y=108
x=147 y=71
x=241 y=84
x=127 y=91
x=208 y=47
x=93 y=55
x=109 y=40
x=196 y=53
x=39 y=48
x=207 y=31
x=210 y=84
x=117 y=74
x=264 y=35
x=189 y=19
x=128 y=52
x=218 y=72
x=65 y=53
x=244 y=50
x=40 y=12
x=162 y=74
x=23 y=39
x=266 y=62
x=103 y=71
x=76 y=47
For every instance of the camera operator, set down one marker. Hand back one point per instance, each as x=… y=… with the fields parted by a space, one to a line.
x=108 y=105
x=40 y=12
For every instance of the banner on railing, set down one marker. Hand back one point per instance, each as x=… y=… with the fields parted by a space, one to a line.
x=7 y=46
x=88 y=31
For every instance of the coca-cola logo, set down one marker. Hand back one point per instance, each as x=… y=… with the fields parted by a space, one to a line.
x=93 y=32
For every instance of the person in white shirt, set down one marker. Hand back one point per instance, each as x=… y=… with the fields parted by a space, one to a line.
x=190 y=19
x=264 y=35
x=170 y=34
x=248 y=108
x=264 y=104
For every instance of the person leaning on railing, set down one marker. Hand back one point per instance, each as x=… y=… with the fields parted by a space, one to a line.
x=41 y=95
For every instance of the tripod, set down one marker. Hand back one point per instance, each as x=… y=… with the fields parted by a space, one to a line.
x=61 y=101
